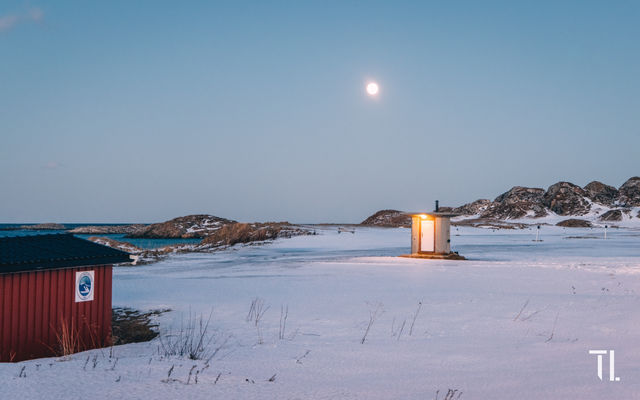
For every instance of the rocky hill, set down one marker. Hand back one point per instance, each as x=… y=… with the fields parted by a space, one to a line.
x=596 y=200
x=388 y=218
x=594 y=203
x=190 y=226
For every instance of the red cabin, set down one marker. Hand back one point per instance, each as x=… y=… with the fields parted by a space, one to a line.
x=55 y=295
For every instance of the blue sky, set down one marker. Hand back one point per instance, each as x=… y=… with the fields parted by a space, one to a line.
x=143 y=111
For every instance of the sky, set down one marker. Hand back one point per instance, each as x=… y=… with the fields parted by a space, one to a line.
x=142 y=111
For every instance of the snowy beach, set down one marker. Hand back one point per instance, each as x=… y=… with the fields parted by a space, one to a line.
x=517 y=319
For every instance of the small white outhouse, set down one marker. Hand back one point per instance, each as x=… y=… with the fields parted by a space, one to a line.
x=430 y=236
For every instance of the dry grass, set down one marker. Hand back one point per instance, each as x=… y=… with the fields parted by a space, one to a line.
x=256 y=312
x=68 y=339
x=374 y=313
x=239 y=232
x=195 y=340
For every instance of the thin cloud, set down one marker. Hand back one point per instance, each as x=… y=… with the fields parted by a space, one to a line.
x=10 y=21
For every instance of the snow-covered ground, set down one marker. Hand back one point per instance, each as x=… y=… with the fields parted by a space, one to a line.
x=516 y=320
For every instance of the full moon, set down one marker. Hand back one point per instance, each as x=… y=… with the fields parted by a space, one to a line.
x=372 y=89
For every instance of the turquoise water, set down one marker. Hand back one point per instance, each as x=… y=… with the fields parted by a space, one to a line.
x=7 y=230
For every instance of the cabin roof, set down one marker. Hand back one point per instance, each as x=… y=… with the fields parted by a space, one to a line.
x=42 y=252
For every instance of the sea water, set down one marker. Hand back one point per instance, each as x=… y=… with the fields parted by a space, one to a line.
x=7 y=230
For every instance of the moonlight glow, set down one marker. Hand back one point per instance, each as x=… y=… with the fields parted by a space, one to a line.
x=372 y=89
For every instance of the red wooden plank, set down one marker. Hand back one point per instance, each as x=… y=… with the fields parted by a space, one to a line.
x=24 y=309
x=39 y=309
x=53 y=306
x=46 y=294
x=60 y=283
x=5 y=318
x=107 y=295
x=8 y=310
x=15 y=313
x=30 y=315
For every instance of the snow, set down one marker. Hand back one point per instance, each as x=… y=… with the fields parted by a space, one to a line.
x=630 y=217
x=516 y=320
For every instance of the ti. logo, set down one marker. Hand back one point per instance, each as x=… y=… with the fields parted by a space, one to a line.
x=612 y=364
x=84 y=286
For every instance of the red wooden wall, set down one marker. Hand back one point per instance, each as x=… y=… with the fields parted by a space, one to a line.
x=35 y=304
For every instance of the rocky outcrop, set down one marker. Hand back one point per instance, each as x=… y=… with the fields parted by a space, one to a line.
x=389 y=218
x=190 y=226
x=108 y=229
x=475 y=208
x=611 y=215
x=239 y=232
x=575 y=223
x=517 y=203
x=564 y=198
x=629 y=193
x=600 y=193
x=44 y=227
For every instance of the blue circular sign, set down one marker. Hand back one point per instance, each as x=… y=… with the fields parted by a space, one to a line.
x=84 y=286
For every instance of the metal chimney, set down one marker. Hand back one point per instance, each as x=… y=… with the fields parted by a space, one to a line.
x=437 y=206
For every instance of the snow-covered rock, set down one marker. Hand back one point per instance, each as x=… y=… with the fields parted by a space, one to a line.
x=475 y=208
x=565 y=198
x=598 y=192
x=517 y=203
x=190 y=226
x=629 y=192
x=611 y=215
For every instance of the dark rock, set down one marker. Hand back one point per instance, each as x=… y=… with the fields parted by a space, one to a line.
x=600 y=193
x=391 y=218
x=611 y=215
x=475 y=208
x=564 y=198
x=191 y=226
x=629 y=193
x=575 y=223
x=517 y=203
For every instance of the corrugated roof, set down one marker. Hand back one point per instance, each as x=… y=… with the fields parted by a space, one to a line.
x=38 y=252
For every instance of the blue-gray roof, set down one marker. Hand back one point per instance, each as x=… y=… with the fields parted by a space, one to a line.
x=39 y=252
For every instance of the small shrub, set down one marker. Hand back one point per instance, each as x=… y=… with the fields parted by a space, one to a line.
x=194 y=340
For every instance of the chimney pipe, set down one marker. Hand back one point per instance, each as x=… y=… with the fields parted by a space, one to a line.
x=437 y=206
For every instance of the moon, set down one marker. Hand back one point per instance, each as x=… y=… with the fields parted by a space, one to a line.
x=372 y=88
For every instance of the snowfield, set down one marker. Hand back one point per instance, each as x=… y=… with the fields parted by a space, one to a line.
x=515 y=321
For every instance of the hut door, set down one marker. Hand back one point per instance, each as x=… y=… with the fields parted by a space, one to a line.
x=426 y=235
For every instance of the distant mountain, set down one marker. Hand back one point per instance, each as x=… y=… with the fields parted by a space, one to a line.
x=604 y=202
x=594 y=203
